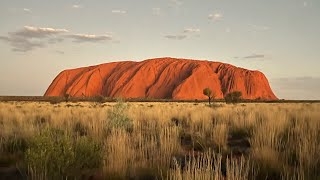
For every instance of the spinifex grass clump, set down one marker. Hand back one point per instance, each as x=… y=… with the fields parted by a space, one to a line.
x=56 y=154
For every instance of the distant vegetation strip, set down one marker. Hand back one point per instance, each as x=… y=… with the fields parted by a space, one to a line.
x=109 y=99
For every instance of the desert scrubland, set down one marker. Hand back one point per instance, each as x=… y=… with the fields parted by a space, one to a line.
x=86 y=140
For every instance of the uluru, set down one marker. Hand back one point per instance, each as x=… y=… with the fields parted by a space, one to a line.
x=161 y=78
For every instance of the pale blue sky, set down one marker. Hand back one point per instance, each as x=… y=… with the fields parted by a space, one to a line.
x=40 y=38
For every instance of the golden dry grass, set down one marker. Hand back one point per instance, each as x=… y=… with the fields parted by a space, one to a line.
x=185 y=140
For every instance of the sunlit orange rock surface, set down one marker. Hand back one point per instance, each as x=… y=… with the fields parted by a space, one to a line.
x=163 y=78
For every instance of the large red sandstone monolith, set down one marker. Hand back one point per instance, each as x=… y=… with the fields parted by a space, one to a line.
x=163 y=78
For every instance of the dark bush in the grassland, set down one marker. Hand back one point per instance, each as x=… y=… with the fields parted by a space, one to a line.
x=233 y=97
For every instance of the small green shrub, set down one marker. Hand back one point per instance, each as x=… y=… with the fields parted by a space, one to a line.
x=55 y=154
x=50 y=153
x=118 y=117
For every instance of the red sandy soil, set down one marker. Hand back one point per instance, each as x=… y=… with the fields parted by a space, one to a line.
x=163 y=78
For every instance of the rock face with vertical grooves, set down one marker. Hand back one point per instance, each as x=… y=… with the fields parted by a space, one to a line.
x=162 y=78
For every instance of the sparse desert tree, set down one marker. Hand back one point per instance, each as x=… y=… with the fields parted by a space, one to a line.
x=208 y=92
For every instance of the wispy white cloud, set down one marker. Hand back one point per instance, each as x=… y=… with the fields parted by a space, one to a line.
x=191 y=30
x=77 y=6
x=252 y=56
x=176 y=37
x=90 y=37
x=29 y=38
x=117 y=11
x=215 y=16
x=27 y=10
x=37 y=32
